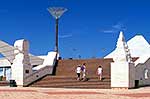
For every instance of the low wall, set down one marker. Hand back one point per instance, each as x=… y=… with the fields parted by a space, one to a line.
x=37 y=75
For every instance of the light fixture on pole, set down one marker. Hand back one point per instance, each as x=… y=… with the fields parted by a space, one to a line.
x=56 y=12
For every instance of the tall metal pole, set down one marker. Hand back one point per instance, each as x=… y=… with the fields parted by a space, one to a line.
x=56 y=12
x=56 y=36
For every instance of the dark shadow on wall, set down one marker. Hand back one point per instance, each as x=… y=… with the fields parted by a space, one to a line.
x=55 y=67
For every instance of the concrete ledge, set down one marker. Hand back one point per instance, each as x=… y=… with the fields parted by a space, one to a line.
x=120 y=88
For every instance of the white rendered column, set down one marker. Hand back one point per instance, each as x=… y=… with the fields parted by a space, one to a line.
x=21 y=66
x=122 y=69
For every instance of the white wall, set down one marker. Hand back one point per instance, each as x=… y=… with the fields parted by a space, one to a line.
x=49 y=60
x=122 y=75
x=37 y=75
x=21 y=63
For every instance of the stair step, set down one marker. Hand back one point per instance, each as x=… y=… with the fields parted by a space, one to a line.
x=4 y=83
x=77 y=86
x=66 y=77
x=69 y=81
x=71 y=77
x=54 y=82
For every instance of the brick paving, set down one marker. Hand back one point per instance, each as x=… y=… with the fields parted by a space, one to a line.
x=16 y=90
x=62 y=93
x=73 y=93
x=136 y=95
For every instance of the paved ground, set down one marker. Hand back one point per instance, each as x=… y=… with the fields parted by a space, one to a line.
x=59 y=93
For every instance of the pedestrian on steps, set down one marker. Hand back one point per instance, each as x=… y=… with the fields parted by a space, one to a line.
x=78 y=71
x=83 y=69
x=99 y=72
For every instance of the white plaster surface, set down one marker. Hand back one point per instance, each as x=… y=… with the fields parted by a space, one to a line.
x=38 y=74
x=120 y=75
x=4 y=63
x=138 y=47
x=122 y=52
x=48 y=61
x=120 y=72
x=21 y=62
x=142 y=59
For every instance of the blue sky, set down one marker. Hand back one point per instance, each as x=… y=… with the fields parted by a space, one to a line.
x=89 y=28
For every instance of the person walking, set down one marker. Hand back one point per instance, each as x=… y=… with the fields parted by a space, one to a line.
x=78 y=71
x=83 y=69
x=99 y=72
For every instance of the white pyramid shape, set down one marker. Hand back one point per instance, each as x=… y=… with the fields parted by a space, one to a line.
x=122 y=52
x=138 y=46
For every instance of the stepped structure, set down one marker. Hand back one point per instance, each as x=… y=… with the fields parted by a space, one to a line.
x=4 y=83
x=65 y=75
x=128 y=66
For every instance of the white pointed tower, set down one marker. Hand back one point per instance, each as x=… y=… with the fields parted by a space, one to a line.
x=123 y=52
x=122 y=69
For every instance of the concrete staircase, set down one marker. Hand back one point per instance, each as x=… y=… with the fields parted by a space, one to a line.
x=4 y=83
x=65 y=75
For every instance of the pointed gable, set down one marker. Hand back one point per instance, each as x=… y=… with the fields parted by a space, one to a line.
x=139 y=46
x=122 y=52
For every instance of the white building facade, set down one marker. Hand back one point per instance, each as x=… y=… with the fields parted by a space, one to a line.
x=21 y=66
x=131 y=66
